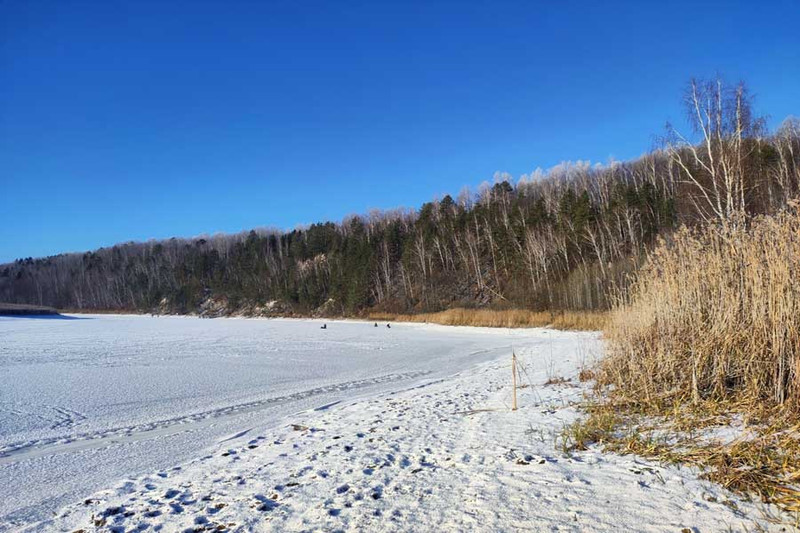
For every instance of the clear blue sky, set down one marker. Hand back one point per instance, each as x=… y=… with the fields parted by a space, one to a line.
x=134 y=120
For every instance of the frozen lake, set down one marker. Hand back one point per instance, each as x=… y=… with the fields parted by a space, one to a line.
x=87 y=401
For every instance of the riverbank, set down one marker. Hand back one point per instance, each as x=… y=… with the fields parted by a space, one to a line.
x=26 y=310
x=488 y=318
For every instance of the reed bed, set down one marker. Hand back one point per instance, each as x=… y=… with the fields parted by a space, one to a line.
x=508 y=318
x=714 y=315
x=709 y=332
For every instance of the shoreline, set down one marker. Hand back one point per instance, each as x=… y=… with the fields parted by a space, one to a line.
x=22 y=310
x=447 y=454
x=587 y=321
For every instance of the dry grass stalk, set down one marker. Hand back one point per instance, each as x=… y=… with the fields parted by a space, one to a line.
x=715 y=314
x=509 y=318
x=764 y=461
x=557 y=380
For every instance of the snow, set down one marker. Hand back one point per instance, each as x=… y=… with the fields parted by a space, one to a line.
x=137 y=422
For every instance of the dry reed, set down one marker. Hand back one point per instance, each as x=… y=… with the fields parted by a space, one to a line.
x=710 y=328
x=714 y=315
x=508 y=318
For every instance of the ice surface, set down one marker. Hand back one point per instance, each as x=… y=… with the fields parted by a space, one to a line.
x=180 y=424
x=88 y=401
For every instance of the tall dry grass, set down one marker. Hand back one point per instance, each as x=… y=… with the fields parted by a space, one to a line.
x=713 y=316
x=508 y=318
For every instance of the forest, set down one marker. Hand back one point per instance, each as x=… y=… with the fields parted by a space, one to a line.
x=565 y=239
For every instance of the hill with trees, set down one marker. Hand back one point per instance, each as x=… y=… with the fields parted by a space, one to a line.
x=565 y=239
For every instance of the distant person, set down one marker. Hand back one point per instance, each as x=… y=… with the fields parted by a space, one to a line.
x=376 y=324
x=389 y=326
x=324 y=326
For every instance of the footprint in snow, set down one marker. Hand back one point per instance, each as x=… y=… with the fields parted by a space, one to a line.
x=265 y=504
x=215 y=509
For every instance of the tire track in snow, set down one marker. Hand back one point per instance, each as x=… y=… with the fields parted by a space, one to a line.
x=71 y=443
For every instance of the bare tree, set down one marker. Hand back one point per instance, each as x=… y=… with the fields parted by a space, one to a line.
x=723 y=119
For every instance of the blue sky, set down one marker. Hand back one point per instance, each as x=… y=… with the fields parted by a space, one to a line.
x=134 y=120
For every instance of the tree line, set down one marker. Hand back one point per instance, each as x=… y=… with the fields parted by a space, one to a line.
x=567 y=238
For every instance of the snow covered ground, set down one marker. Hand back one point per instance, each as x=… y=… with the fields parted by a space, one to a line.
x=135 y=423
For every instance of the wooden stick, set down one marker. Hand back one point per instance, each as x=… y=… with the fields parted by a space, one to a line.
x=514 y=380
